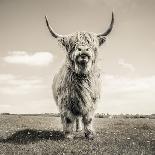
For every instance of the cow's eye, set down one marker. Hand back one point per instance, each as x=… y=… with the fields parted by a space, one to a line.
x=87 y=49
x=79 y=49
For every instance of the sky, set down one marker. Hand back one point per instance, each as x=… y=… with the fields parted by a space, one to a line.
x=30 y=57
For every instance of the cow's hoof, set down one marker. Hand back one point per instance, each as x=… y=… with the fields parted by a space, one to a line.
x=79 y=130
x=89 y=135
x=69 y=136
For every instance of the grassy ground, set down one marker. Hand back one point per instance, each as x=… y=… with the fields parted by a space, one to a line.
x=41 y=135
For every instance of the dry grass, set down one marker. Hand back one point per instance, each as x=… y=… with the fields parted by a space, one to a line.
x=40 y=135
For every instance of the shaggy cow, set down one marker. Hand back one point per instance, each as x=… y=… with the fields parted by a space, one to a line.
x=76 y=86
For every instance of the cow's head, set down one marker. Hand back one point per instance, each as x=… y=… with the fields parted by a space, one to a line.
x=81 y=47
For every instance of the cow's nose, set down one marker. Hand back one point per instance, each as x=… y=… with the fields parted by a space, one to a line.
x=83 y=58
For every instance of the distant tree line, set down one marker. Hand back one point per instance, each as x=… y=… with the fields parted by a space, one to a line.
x=98 y=115
x=102 y=115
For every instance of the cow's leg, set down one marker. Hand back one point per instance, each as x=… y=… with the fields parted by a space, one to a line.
x=68 y=124
x=78 y=124
x=87 y=121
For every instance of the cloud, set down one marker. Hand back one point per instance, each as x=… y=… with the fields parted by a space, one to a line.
x=21 y=94
x=23 y=57
x=127 y=95
x=124 y=84
x=6 y=77
x=16 y=85
x=126 y=65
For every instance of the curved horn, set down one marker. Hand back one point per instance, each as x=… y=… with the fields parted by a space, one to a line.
x=55 y=35
x=110 y=27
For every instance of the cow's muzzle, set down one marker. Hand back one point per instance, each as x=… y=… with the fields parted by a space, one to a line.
x=82 y=59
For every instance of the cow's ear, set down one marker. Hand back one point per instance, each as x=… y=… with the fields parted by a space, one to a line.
x=64 y=42
x=101 y=40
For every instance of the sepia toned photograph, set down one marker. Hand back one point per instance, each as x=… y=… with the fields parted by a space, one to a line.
x=77 y=77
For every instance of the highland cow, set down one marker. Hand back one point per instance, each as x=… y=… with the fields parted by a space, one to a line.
x=76 y=88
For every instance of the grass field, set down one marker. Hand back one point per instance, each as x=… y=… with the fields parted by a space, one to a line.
x=42 y=135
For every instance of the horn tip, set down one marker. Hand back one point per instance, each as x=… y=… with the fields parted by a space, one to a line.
x=45 y=17
x=112 y=14
x=112 y=20
x=46 y=20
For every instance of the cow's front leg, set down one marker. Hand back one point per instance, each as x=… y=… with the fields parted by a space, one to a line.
x=87 y=121
x=68 y=125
